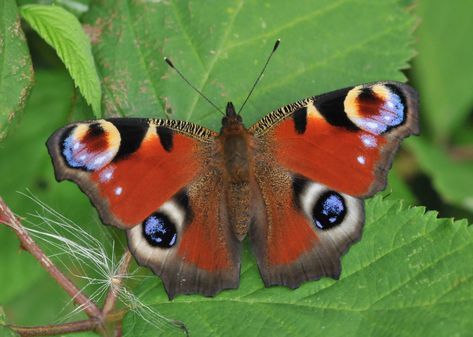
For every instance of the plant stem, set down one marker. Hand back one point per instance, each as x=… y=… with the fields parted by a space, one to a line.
x=48 y=330
x=117 y=282
x=7 y=216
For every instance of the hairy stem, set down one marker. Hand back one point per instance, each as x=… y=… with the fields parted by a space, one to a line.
x=103 y=321
x=7 y=217
x=117 y=282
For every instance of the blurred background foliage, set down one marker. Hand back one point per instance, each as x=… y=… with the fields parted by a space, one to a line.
x=434 y=169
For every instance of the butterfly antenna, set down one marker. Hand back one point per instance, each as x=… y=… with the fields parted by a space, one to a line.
x=168 y=61
x=276 y=45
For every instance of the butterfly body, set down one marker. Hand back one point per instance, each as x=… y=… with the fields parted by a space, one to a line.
x=293 y=183
x=237 y=153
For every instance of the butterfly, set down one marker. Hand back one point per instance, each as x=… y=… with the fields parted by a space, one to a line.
x=294 y=183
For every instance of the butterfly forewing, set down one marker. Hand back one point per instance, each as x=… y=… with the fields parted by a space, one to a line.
x=344 y=139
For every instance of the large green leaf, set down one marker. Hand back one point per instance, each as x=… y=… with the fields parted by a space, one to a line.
x=61 y=29
x=409 y=276
x=27 y=293
x=443 y=67
x=16 y=72
x=221 y=46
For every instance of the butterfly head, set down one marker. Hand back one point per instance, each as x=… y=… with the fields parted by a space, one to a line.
x=232 y=122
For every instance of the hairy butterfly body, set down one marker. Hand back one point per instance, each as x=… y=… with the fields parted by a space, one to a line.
x=294 y=183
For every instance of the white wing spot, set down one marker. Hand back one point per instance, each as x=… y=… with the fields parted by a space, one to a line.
x=118 y=190
x=368 y=140
x=106 y=175
x=361 y=160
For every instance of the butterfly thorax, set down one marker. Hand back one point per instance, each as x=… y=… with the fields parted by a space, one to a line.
x=235 y=146
x=236 y=150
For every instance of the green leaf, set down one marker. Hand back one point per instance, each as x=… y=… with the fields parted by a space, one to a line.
x=453 y=180
x=16 y=72
x=61 y=29
x=26 y=164
x=443 y=68
x=410 y=275
x=221 y=46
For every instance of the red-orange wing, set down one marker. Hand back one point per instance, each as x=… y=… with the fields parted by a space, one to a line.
x=152 y=178
x=203 y=255
x=128 y=166
x=344 y=139
x=315 y=160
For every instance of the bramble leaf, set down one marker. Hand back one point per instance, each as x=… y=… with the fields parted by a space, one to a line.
x=61 y=29
x=221 y=47
x=409 y=276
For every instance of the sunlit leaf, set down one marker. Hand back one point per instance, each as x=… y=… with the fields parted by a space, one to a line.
x=61 y=29
x=221 y=46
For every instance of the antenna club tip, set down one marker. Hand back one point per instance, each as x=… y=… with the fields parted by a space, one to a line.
x=168 y=61
x=276 y=44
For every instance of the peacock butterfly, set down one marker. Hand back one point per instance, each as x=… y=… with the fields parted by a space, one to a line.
x=294 y=182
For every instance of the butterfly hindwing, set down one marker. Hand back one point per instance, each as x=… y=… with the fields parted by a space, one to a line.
x=302 y=228
x=344 y=139
x=188 y=243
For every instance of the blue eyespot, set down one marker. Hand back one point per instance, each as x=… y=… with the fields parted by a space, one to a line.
x=329 y=211
x=91 y=152
x=159 y=230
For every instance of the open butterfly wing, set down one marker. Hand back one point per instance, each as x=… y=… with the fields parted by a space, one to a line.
x=323 y=154
x=147 y=176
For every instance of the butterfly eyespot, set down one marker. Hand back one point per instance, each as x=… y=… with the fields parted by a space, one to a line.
x=329 y=210
x=159 y=230
x=375 y=109
x=90 y=146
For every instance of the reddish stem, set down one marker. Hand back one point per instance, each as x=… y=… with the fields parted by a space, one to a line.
x=7 y=217
x=48 y=330
x=117 y=282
